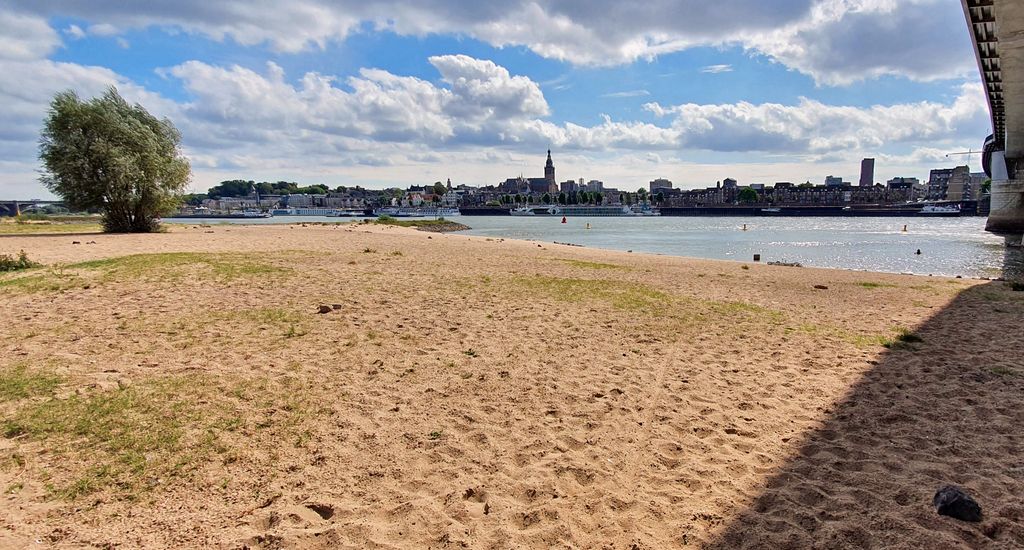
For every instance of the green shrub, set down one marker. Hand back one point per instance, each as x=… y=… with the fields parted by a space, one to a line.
x=10 y=263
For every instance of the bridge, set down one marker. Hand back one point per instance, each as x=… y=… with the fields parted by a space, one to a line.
x=15 y=207
x=997 y=31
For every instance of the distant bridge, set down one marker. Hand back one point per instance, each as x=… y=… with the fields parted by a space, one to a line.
x=997 y=31
x=15 y=207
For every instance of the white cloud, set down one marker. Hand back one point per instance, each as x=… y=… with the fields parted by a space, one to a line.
x=75 y=32
x=25 y=36
x=628 y=93
x=834 y=41
x=715 y=69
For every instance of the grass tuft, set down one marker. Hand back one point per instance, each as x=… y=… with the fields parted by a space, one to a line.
x=18 y=382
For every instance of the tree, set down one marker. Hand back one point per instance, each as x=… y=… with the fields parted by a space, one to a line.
x=747 y=195
x=986 y=186
x=561 y=198
x=108 y=155
x=546 y=198
x=659 y=197
x=598 y=198
x=627 y=199
x=439 y=188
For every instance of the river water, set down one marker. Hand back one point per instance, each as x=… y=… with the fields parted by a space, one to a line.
x=949 y=246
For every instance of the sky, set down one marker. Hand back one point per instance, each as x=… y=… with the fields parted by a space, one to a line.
x=384 y=93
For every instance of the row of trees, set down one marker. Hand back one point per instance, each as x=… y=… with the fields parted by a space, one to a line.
x=243 y=188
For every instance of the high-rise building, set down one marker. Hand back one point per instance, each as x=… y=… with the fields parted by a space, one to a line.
x=867 y=172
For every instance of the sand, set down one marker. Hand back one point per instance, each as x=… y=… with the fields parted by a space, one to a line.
x=488 y=393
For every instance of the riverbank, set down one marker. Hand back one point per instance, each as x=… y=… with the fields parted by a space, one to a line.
x=493 y=393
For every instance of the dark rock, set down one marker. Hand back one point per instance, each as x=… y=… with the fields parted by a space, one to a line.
x=75 y=242
x=335 y=306
x=821 y=287
x=952 y=501
x=324 y=309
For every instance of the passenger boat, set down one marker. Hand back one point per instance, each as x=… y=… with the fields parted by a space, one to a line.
x=416 y=211
x=939 y=210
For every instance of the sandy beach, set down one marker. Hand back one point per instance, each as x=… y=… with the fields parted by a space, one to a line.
x=184 y=390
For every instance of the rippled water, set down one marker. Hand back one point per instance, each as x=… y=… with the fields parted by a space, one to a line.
x=949 y=246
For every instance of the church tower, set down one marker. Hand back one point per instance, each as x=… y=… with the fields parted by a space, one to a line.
x=549 y=173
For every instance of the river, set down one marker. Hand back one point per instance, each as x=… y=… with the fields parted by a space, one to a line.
x=949 y=246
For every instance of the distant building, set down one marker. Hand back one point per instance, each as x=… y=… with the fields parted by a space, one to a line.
x=867 y=172
x=569 y=186
x=729 y=183
x=902 y=183
x=595 y=186
x=549 y=171
x=833 y=181
x=660 y=183
x=940 y=179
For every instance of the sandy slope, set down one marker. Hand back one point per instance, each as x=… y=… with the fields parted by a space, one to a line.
x=483 y=393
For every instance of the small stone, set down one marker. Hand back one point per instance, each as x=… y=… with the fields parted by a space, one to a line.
x=335 y=307
x=324 y=309
x=75 y=242
x=952 y=501
x=821 y=287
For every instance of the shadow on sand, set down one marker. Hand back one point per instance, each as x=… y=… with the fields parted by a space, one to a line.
x=947 y=410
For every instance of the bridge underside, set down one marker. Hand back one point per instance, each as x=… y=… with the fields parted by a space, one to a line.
x=997 y=30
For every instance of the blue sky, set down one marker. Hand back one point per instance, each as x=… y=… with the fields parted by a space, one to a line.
x=396 y=92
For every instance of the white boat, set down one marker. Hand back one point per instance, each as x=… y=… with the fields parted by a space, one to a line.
x=939 y=210
x=417 y=211
x=522 y=211
x=775 y=210
x=290 y=211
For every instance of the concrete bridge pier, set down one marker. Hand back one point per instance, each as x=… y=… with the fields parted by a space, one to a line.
x=1007 y=214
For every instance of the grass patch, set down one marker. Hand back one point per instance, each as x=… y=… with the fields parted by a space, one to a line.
x=388 y=220
x=10 y=263
x=18 y=382
x=904 y=337
x=870 y=284
x=53 y=280
x=81 y=225
x=172 y=265
x=591 y=265
x=621 y=295
x=1003 y=371
x=192 y=331
x=150 y=434
x=439 y=224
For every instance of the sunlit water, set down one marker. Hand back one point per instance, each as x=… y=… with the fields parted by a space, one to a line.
x=949 y=246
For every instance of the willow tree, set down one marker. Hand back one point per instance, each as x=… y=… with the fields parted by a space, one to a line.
x=108 y=155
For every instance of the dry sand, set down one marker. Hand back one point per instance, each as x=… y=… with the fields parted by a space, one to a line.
x=489 y=393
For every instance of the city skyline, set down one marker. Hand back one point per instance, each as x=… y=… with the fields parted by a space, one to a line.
x=385 y=94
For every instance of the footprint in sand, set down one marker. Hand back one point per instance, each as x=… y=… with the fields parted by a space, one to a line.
x=476 y=503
